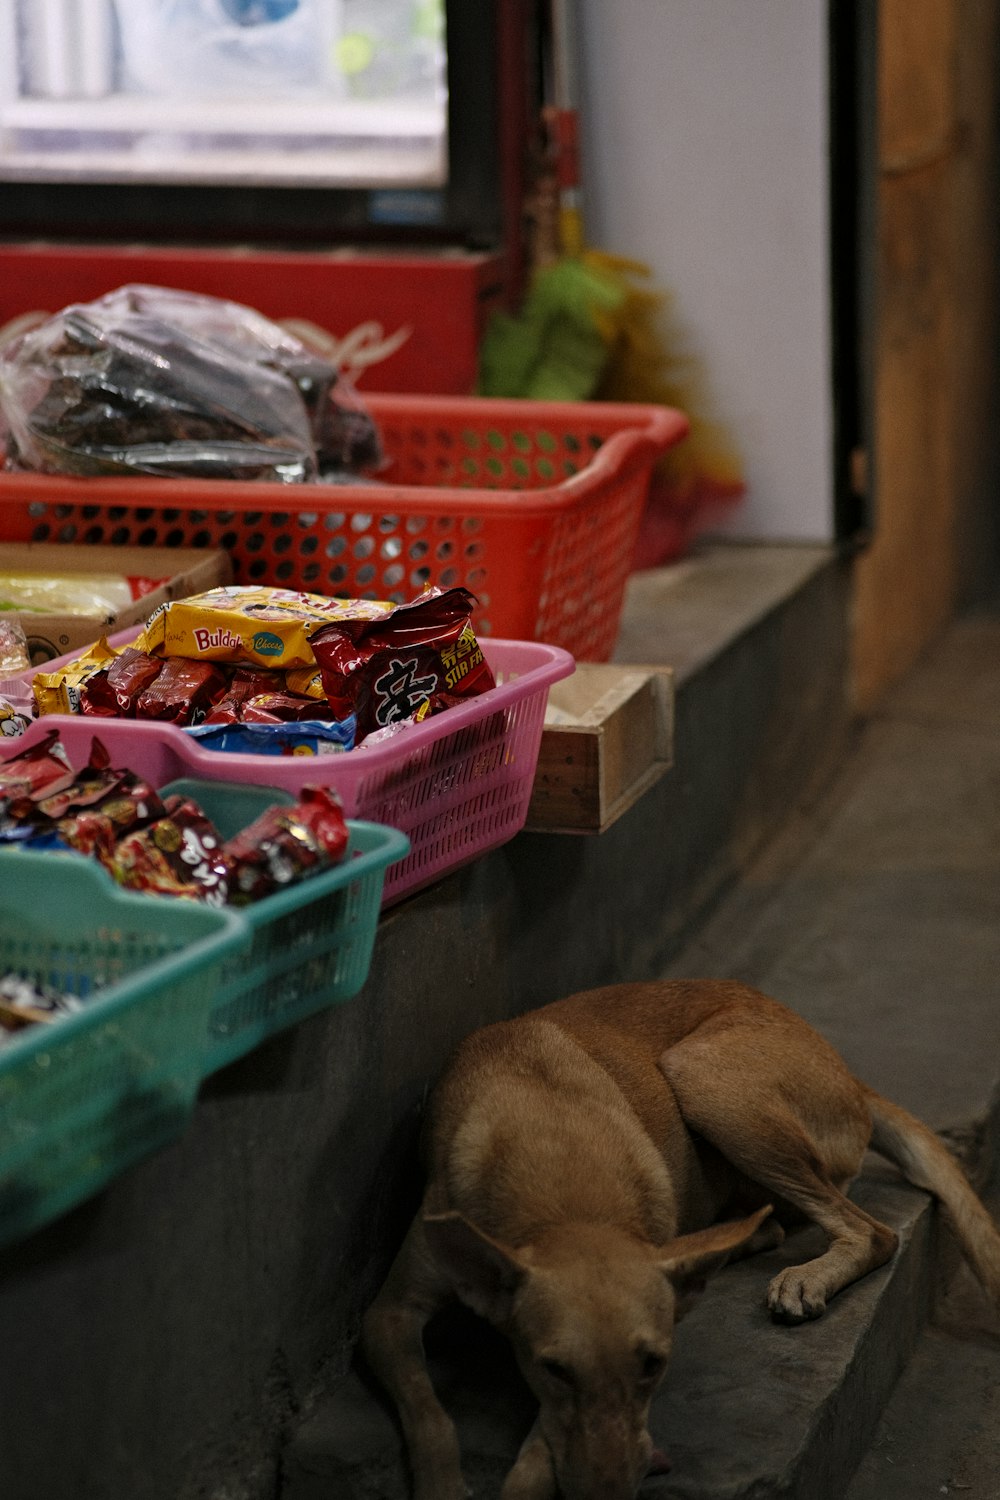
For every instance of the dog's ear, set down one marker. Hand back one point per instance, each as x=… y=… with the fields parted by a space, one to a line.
x=484 y=1273
x=689 y=1260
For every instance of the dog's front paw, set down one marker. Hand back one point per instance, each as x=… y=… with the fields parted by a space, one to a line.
x=794 y=1297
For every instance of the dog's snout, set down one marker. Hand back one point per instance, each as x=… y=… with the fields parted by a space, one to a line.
x=603 y=1466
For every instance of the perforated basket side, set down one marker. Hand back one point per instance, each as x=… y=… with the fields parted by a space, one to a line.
x=311 y=948
x=488 y=494
x=587 y=563
x=84 y=1097
x=470 y=800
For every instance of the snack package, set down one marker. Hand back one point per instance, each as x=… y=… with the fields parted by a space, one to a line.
x=182 y=692
x=148 y=380
x=416 y=659
x=116 y=691
x=304 y=737
x=14 y=654
x=179 y=855
x=60 y=691
x=252 y=626
x=25 y=1002
x=277 y=708
x=36 y=771
x=89 y=813
x=16 y=707
x=245 y=684
x=127 y=797
x=287 y=844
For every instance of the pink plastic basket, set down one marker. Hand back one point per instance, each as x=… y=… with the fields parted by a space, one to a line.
x=457 y=785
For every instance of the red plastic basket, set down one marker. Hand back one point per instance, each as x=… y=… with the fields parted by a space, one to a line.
x=533 y=506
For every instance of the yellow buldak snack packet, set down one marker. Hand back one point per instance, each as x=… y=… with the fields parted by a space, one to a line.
x=58 y=692
x=251 y=625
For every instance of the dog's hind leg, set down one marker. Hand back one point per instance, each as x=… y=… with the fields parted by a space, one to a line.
x=793 y=1120
x=392 y=1342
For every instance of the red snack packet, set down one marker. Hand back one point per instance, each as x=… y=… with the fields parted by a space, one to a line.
x=245 y=683
x=179 y=855
x=182 y=692
x=287 y=844
x=420 y=657
x=96 y=699
x=89 y=787
x=282 y=708
x=128 y=678
x=40 y=769
x=111 y=692
x=120 y=795
x=91 y=833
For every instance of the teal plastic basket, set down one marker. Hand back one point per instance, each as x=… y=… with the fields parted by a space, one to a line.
x=311 y=945
x=86 y=1096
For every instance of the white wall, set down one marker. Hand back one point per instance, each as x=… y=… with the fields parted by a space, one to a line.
x=705 y=155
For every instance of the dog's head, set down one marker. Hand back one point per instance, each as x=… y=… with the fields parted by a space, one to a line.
x=590 y=1312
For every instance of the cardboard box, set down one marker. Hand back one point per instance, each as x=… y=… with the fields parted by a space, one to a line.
x=186 y=571
x=608 y=737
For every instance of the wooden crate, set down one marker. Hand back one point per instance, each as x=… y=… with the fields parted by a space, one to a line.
x=608 y=737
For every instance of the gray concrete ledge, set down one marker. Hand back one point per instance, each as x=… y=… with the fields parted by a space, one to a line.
x=750 y=1409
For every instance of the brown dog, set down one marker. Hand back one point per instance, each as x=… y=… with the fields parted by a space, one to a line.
x=579 y=1161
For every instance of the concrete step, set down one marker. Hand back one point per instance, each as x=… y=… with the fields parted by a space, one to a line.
x=939 y=1434
x=875 y=912
x=749 y=1408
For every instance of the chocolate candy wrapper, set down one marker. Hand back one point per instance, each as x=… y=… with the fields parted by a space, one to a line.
x=58 y=692
x=124 y=683
x=421 y=657
x=285 y=845
x=245 y=683
x=278 y=708
x=96 y=701
x=179 y=855
x=113 y=691
x=307 y=737
x=182 y=693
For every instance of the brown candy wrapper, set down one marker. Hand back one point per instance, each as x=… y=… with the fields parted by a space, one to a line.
x=246 y=683
x=281 y=708
x=182 y=692
x=419 y=658
x=117 y=691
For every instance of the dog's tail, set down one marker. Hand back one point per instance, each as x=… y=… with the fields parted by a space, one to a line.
x=925 y=1160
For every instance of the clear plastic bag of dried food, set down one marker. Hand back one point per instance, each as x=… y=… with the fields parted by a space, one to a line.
x=148 y=380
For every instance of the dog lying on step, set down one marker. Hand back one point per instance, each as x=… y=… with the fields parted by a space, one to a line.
x=585 y=1164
